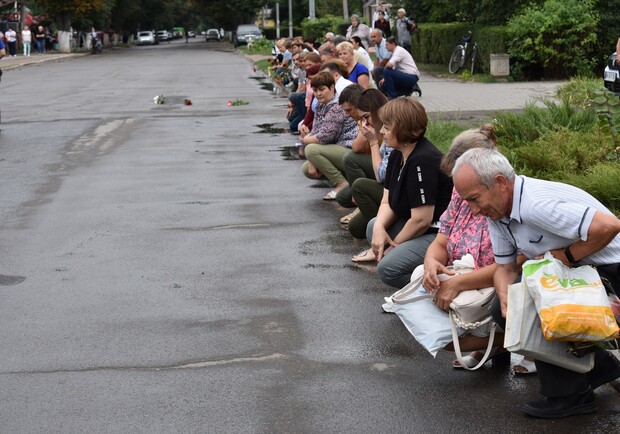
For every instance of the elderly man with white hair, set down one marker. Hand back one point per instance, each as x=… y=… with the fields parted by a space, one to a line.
x=531 y=216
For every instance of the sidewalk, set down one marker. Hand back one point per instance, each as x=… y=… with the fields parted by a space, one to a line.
x=7 y=63
x=451 y=98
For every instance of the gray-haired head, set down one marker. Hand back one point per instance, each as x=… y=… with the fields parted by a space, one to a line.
x=338 y=39
x=482 y=137
x=487 y=164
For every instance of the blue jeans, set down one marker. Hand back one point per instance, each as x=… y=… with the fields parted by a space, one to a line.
x=41 y=45
x=398 y=83
x=396 y=267
x=299 y=101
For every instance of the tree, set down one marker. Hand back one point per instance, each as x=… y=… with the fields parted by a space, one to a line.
x=64 y=11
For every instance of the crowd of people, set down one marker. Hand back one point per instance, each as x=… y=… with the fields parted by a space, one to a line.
x=41 y=37
x=361 y=131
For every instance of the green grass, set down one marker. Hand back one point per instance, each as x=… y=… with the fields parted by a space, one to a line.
x=263 y=64
x=441 y=133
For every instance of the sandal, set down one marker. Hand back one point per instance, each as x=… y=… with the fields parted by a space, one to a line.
x=524 y=367
x=365 y=256
x=331 y=195
x=346 y=219
x=499 y=356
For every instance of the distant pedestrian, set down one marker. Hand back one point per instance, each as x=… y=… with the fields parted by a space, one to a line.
x=357 y=28
x=39 y=37
x=404 y=26
x=49 y=39
x=11 y=39
x=186 y=36
x=383 y=24
x=26 y=40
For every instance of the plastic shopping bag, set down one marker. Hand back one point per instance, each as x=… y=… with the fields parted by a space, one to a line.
x=523 y=334
x=571 y=302
x=428 y=324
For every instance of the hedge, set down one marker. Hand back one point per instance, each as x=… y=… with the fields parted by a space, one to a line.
x=433 y=43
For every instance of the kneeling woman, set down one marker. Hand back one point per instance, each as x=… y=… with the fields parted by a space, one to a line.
x=416 y=193
x=330 y=138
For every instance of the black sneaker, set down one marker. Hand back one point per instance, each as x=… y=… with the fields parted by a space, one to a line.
x=555 y=408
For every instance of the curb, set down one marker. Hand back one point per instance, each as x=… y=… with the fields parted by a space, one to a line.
x=18 y=62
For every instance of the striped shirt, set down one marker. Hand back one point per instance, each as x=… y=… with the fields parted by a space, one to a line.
x=546 y=216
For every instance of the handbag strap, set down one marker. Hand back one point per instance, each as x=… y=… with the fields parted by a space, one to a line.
x=399 y=297
x=457 y=346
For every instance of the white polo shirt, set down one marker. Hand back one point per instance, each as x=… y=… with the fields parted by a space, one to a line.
x=546 y=216
x=402 y=61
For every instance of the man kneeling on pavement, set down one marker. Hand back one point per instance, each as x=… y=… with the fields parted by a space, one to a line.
x=400 y=74
x=531 y=217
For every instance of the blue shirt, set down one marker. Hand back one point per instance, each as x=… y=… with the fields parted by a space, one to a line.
x=1 y=45
x=381 y=53
x=358 y=70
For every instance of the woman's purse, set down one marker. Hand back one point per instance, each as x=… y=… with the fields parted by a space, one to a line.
x=469 y=310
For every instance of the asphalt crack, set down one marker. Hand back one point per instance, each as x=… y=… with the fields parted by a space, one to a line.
x=192 y=365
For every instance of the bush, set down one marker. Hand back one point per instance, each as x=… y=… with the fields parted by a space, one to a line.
x=573 y=141
x=320 y=26
x=554 y=40
x=433 y=43
x=515 y=130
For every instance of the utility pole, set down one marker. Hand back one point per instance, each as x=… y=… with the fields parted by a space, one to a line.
x=345 y=9
x=290 y=18
x=312 y=15
x=278 y=20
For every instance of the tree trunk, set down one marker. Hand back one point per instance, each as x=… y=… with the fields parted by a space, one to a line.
x=63 y=21
x=64 y=41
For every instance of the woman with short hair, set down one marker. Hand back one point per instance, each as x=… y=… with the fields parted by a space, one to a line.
x=358 y=73
x=330 y=138
x=416 y=193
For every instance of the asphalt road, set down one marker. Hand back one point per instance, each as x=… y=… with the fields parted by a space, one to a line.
x=179 y=274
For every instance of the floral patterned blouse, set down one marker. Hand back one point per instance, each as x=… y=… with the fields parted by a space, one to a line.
x=332 y=126
x=466 y=233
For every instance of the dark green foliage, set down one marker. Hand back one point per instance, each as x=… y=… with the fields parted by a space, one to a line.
x=573 y=141
x=484 y=12
x=555 y=39
x=433 y=43
x=320 y=26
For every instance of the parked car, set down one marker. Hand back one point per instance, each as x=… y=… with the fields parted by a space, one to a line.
x=245 y=33
x=212 y=35
x=191 y=34
x=147 y=38
x=163 y=35
x=612 y=75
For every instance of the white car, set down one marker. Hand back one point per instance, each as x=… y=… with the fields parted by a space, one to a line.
x=212 y=35
x=163 y=35
x=147 y=38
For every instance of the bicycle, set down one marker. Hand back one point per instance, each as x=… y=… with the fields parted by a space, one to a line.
x=460 y=56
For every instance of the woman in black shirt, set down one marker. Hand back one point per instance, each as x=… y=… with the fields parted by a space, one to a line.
x=416 y=193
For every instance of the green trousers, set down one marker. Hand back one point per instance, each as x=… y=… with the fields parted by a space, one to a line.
x=367 y=194
x=355 y=166
x=328 y=160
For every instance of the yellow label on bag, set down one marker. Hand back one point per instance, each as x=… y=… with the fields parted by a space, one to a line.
x=574 y=322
